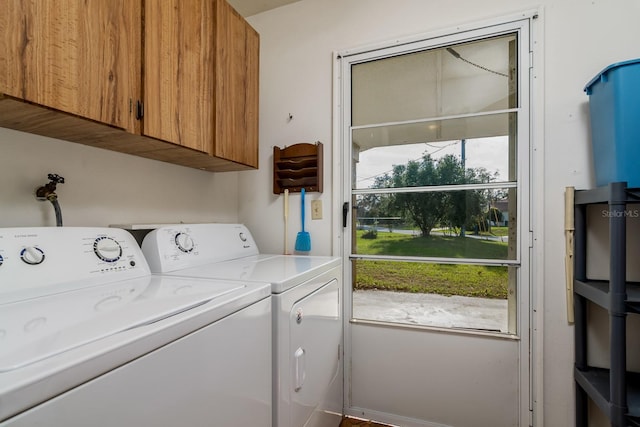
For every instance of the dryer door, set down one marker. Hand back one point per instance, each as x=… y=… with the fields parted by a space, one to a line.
x=316 y=335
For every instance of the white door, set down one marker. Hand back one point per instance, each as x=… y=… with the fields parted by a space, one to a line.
x=436 y=228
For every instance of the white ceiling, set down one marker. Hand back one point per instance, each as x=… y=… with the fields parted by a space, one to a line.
x=252 y=7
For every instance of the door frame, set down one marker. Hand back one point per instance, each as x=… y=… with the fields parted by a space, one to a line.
x=530 y=333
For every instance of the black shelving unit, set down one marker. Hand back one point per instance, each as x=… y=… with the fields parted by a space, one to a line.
x=615 y=391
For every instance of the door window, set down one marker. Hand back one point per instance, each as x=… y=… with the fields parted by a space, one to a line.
x=435 y=169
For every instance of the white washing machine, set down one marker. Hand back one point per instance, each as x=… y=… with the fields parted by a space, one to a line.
x=88 y=337
x=307 y=310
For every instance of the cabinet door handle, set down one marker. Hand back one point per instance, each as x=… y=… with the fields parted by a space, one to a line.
x=139 y=110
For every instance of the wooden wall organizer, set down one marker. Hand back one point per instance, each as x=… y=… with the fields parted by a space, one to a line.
x=297 y=166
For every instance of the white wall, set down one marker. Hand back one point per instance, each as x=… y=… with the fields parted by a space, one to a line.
x=575 y=40
x=104 y=187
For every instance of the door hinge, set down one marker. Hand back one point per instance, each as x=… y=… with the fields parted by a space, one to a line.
x=139 y=110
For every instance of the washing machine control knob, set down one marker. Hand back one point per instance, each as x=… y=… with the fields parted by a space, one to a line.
x=184 y=242
x=1 y=260
x=107 y=249
x=243 y=237
x=32 y=255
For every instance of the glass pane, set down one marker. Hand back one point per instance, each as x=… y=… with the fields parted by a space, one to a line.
x=448 y=224
x=432 y=131
x=484 y=158
x=443 y=295
x=462 y=79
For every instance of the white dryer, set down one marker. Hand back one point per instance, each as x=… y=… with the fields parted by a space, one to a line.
x=307 y=310
x=88 y=337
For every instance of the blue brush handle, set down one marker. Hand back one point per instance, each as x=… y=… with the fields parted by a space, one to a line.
x=302 y=207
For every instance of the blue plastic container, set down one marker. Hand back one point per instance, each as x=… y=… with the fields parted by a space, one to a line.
x=614 y=106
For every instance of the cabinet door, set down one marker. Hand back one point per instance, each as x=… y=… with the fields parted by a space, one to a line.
x=80 y=57
x=179 y=66
x=237 y=68
x=201 y=78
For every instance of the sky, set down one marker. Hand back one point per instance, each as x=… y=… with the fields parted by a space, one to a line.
x=490 y=153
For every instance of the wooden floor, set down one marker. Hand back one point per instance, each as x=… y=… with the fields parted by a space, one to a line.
x=354 y=422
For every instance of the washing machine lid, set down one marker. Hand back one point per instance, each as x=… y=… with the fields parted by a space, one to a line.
x=281 y=271
x=40 y=328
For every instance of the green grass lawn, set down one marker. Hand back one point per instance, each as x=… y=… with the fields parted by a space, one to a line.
x=432 y=246
x=496 y=231
x=443 y=279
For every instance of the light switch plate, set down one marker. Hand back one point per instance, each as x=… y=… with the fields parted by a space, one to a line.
x=316 y=209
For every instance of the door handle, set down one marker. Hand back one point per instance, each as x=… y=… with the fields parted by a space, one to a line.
x=300 y=369
x=345 y=212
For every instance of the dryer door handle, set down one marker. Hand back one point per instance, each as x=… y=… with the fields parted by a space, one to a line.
x=300 y=368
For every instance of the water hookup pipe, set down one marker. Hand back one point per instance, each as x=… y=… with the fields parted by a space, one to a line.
x=47 y=192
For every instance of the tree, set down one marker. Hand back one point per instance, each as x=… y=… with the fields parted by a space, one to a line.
x=454 y=203
x=455 y=209
x=494 y=215
x=425 y=209
x=470 y=205
x=375 y=205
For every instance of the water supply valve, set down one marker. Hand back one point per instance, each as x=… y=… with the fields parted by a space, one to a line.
x=48 y=191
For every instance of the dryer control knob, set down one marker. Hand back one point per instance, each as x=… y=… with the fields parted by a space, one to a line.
x=184 y=242
x=107 y=249
x=32 y=255
x=1 y=260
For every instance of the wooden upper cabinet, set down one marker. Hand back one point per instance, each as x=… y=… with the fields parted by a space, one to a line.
x=201 y=78
x=80 y=57
x=236 y=94
x=194 y=63
x=179 y=78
